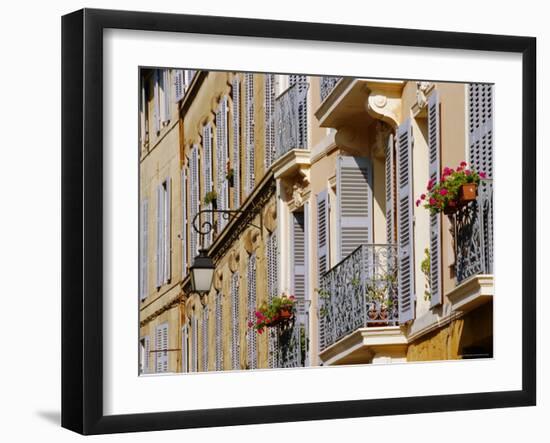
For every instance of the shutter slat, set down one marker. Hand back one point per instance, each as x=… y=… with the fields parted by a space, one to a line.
x=435 y=219
x=354 y=193
x=405 y=223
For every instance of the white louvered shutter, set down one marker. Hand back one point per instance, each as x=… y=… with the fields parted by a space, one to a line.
x=222 y=157
x=179 y=84
x=405 y=222
x=219 y=332
x=204 y=335
x=435 y=219
x=164 y=98
x=481 y=160
x=236 y=164
x=354 y=195
x=250 y=180
x=146 y=355
x=235 y=344
x=207 y=176
x=160 y=236
x=390 y=190
x=251 y=308
x=195 y=199
x=269 y=154
x=143 y=104
x=184 y=222
x=144 y=239
x=273 y=290
x=185 y=348
x=298 y=248
x=167 y=230
x=301 y=84
x=194 y=343
x=161 y=348
x=156 y=100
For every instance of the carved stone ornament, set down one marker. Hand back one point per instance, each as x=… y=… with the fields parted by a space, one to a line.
x=218 y=279
x=297 y=195
x=422 y=90
x=251 y=240
x=270 y=217
x=234 y=258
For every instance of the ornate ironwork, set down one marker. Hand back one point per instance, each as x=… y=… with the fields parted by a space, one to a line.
x=291 y=344
x=473 y=226
x=327 y=85
x=287 y=119
x=206 y=227
x=358 y=292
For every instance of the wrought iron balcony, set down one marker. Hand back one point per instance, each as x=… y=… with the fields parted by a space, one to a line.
x=358 y=292
x=473 y=232
x=291 y=119
x=327 y=85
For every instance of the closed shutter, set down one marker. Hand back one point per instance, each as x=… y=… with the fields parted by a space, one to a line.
x=195 y=199
x=222 y=157
x=179 y=84
x=184 y=222
x=249 y=132
x=207 y=176
x=143 y=104
x=160 y=235
x=323 y=235
x=236 y=88
x=251 y=308
x=156 y=100
x=298 y=248
x=269 y=154
x=354 y=192
x=167 y=230
x=219 y=332
x=144 y=239
x=301 y=83
x=390 y=190
x=164 y=98
x=194 y=343
x=147 y=354
x=405 y=222
x=235 y=344
x=204 y=334
x=185 y=348
x=161 y=347
x=435 y=219
x=273 y=290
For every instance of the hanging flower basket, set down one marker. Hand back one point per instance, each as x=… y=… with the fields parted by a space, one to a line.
x=278 y=313
x=455 y=189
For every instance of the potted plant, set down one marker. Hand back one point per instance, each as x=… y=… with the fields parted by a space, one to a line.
x=229 y=176
x=456 y=188
x=279 y=312
x=211 y=197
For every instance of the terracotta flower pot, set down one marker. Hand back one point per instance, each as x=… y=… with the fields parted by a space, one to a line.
x=468 y=192
x=285 y=314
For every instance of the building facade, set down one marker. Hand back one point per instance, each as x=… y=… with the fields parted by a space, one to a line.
x=311 y=183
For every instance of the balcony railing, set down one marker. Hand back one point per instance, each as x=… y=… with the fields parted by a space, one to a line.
x=474 y=235
x=360 y=291
x=291 y=119
x=327 y=85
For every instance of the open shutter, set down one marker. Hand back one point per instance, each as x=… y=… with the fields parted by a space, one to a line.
x=273 y=290
x=184 y=222
x=301 y=84
x=322 y=233
x=143 y=104
x=168 y=230
x=236 y=164
x=207 y=176
x=160 y=241
x=185 y=348
x=298 y=248
x=161 y=348
x=194 y=343
x=249 y=131
x=146 y=354
x=219 y=332
x=235 y=348
x=251 y=299
x=164 y=98
x=405 y=222
x=179 y=84
x=144 y=249
x=221 y=160
x=156 y=100
x=204 y=335
x=269 y=154
x=354 y=192
x=435 y=219
x=390 y=190
x=195 y=198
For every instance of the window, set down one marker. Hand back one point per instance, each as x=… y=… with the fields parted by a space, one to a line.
x=144 y=351
x=163 y=232
x=161 y=348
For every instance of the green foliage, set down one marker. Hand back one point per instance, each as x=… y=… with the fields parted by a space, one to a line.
x=425 y=268
x=210 y=197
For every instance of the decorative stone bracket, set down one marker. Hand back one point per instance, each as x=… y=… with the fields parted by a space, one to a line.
x=384 y=102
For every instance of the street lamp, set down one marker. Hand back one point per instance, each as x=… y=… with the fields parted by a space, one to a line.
x=202 y=272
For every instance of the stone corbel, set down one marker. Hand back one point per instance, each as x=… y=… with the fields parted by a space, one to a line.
x=384 y=103
x=251 y=240
x=270 y=217
x=234 y=258
x=193 y=303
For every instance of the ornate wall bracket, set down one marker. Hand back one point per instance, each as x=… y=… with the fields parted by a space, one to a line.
x=384 y=102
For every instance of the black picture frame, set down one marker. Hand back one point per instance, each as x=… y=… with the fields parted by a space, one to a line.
x=82 y=218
